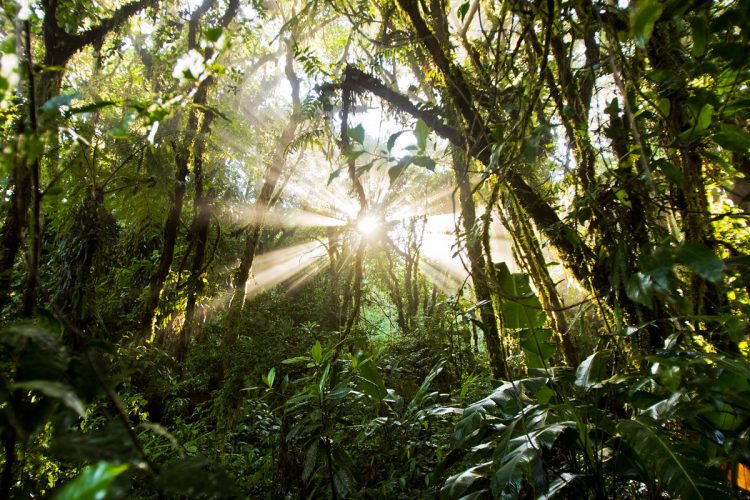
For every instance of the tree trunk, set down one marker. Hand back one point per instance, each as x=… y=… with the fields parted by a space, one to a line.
x=493 y=342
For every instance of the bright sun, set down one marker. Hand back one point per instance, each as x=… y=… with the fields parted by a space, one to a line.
x=367 y=225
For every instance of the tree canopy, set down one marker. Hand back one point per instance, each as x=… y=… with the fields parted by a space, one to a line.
x=385 y=249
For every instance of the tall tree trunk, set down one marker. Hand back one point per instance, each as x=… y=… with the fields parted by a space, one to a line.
x=477 y=267
x=199 y=234
x=533 y=260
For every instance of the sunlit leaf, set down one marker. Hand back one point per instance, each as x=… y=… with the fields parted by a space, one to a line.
x=462 y=10
x=372 y=382
x=421 y=132
x=317 y=352
x=268 y=379
x=93 y=483
x=212 y=34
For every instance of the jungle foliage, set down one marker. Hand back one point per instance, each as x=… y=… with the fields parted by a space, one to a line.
x=375 y=249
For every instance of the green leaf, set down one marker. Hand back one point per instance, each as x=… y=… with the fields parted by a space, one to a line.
x=357 y=134
x=640 y=289
x=521 y=307
x=212 y=34
x=462 y=10
x=56 y=390
x=421 y=132
x=733 y=138
x=353 y=155
x=364 y=168
x=419 y=397
x=333 y=175
x=324 y=378
x=296 y=360
x=562 y=486
x=530 y=147
x=94 y=106
x=537 y=347
x=395 y=171
x=424 y=161
x=371 y=382
x=93 y=483
x=339 y=392
x=59 y=101
x=268 y=379
x=311 y=459
x=317 y=352
x=701 y=260
x=700 y=36
x=704 y=118
x=120 y=131
x=642 y=19
x=393 y=138
x=456 y=485
x=681 y=473
x=342 y=480
x=593 y=369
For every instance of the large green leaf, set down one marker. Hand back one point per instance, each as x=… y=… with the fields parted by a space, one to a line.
x=93 y=483
x=537 y=346
x=311 y=460
x=643 y=16
x=701 y=260
x=371 y=382
x=421 y=132
x=593 y=369
x=733 y=138
x=419 y=397
x=458 y=484
x=680 y=471
x=357 y=134
x=521 y=307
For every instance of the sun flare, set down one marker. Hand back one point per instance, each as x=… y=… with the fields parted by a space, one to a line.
x=368 y=225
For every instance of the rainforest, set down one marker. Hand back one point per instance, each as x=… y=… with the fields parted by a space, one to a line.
x=375 y=249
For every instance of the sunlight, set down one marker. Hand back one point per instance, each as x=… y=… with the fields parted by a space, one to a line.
x=368 y=225
x=281 y=265
x=286 y=217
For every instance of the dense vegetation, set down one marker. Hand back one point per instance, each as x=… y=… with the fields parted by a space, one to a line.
x=375 y=249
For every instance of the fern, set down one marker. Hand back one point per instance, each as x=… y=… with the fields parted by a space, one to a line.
x=309 y=139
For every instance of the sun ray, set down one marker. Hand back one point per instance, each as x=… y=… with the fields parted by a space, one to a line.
x=281 y=265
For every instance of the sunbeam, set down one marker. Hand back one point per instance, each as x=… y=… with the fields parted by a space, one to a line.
x=283 y=264
x=287 y=217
